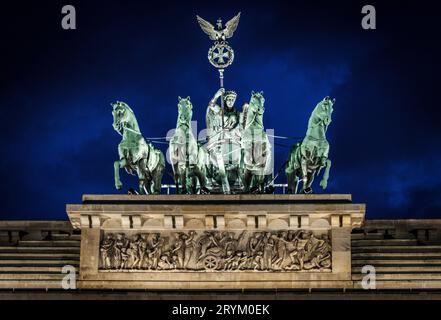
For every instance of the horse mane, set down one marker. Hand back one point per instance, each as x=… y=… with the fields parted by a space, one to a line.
x=130 y=109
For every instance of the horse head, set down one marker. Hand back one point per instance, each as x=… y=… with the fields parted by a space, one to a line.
x=257 y=101
x=324 y=110
x=255 y=111
x=320 y=119
x=185 y=111
x=122 y=116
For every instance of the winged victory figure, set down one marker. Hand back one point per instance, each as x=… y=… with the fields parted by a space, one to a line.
x=221 y=33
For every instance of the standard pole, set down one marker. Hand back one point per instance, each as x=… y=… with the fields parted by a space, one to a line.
x=220 y=157
x=221 y=78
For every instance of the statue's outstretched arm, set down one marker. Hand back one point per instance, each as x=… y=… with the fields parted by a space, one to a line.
x=218 y=94
x=212 y=105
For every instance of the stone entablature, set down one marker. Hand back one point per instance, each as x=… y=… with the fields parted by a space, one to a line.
x=233 y=212
x=215 y=241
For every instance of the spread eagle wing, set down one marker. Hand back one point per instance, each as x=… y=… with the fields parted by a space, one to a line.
x=231 y=26
x=207 y=27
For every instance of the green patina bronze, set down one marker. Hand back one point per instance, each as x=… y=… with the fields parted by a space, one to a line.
x=136 y=155
x=307 y=158
x=224 y=130
x=188 y=158
x=237 y=157
x=257 y=155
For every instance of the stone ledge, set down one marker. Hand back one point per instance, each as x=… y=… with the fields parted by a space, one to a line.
x=218 y=198
x=10 y=225
x=213 y=285
x=218 y=295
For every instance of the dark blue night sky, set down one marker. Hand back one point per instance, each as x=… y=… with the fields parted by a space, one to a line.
x=56 y=87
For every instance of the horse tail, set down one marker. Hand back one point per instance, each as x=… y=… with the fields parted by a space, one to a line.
x=161 y=161
x=292 y=158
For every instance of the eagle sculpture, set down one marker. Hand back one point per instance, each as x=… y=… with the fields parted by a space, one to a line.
x=221 y=33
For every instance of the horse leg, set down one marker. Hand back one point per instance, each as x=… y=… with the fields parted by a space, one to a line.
x=118 y=165
x=260 y=184
x=310 y=179
x=149 y=182
x=241 y=163
x=177 y=185
x=324 y=182
x=290 y=181
x=210 y=174
x=142 y=183
x=297 y=182
x=141 y=169
x=176 y=176
x=143 y=187
x=202 y=180
x=183 y=180
x=223 y=174
x=247 y=177
x=148 y=185
x=304 y=170
x=193 y=180
x=157 y=178
x=158 y=174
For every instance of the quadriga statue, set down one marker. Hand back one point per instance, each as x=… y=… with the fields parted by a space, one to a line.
x=257 y=154
x=188 y=158
x=307 y=158
x=136 y=155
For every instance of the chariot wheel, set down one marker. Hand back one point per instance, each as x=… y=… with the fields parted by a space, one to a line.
x=210 y=262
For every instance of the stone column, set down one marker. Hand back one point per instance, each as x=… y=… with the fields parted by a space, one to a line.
x=89 y=258
x=341 y=252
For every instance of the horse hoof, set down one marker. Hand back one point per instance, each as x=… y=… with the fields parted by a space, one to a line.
x=254 y=190
x=132 y=191
x=205 y=190
x=307 y=190
x=269 y=190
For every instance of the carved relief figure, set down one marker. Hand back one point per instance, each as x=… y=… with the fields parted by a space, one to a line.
x=279 y=251
x=268 y=251
x=156 y=251
x=190 y=246
x=179 y=250
x=106 y=251
x=281 y=243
